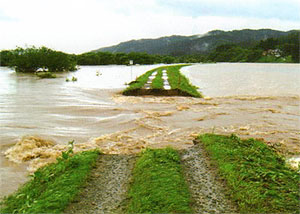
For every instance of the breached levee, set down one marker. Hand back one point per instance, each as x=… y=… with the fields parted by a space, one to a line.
x=175 y=121
x=162 y=81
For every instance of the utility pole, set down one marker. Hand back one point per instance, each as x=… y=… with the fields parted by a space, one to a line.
x=131 y=63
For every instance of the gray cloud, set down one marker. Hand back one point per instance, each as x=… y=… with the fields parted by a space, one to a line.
x=266 y=9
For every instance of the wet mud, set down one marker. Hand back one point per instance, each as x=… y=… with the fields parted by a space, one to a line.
x=157 y=92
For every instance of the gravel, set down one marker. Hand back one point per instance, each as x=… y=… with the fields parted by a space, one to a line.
x=207 y=190
x=106 y=189
x=107 y=186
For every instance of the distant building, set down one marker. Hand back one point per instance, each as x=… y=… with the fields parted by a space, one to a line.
x=272 y=52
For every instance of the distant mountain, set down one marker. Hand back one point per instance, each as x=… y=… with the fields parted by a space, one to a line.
x=196 y=44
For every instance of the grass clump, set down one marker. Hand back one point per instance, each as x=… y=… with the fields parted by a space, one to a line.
x=158 y=82
x=52 y=187
x=258 y=178
x=158 y=185
x=45 y=75
x=180 y=82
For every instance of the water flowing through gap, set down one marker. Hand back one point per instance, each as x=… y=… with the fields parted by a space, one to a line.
x=252 y=100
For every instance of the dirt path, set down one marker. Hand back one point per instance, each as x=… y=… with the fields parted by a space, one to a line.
x=207 y=191
x=106 y=189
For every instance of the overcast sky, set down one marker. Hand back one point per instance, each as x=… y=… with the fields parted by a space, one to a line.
x=77 y=26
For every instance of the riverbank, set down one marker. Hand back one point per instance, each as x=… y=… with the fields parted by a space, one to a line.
x=52 y=187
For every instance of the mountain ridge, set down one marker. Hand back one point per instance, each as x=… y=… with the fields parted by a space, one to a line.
x=178 y=45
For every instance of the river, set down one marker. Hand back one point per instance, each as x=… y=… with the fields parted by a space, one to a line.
x=252 y=100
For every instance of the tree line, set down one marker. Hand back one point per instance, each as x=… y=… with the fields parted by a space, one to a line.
x=282 y=49
x=31 y=59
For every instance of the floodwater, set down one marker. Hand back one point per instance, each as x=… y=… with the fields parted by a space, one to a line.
x=39 y=116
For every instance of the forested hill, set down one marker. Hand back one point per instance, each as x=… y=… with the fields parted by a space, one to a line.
x=196 y=44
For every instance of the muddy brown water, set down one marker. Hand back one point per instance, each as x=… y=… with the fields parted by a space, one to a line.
x=39 y=117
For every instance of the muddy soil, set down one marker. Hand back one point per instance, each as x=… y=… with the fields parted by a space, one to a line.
x=106 y=188
x=207 y=190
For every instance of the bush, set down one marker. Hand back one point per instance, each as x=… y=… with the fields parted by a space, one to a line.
x=32 y=59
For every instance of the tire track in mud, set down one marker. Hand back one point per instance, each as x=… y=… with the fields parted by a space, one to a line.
x=106 y=188
x=207 y=192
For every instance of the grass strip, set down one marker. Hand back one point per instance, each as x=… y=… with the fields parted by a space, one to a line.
x=158 y=82
x=258 y=178
x=139 y=82
x=179 y=81
x=52 y=187
x=158 y=185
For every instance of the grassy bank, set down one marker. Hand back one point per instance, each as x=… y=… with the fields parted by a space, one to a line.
x=138 y=83
x=180 y=82
x=258 y=179
x=157 y=82
x=158 y=184
x=180 y=85
x=52 y=187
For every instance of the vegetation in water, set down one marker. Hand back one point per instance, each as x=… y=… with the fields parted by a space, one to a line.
x=45 y=75
x=74 y=79
x=54 y=186
x=257 y=176
x=31 y=59
x=158 y=184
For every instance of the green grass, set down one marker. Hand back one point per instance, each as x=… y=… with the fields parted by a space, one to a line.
x=139 y=82
x=176 y=80
x=158 y=185
x=45 y=75
x=258 y=178
x=52 y=187
x=274 y=59
x=158 y=82
x=179 y=81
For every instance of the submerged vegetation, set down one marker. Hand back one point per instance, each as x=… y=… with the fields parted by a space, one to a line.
x=158 y=184
x=180 y=85
x=257 y=177
x=45 y=75
x=52 y=187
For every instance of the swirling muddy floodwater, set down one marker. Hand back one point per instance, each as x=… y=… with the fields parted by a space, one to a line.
x=39 y=116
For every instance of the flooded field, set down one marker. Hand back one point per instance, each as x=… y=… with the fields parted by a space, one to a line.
x=39 y=116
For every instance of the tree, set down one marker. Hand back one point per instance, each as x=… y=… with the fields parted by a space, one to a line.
x=6 y=57
x=31 y=59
